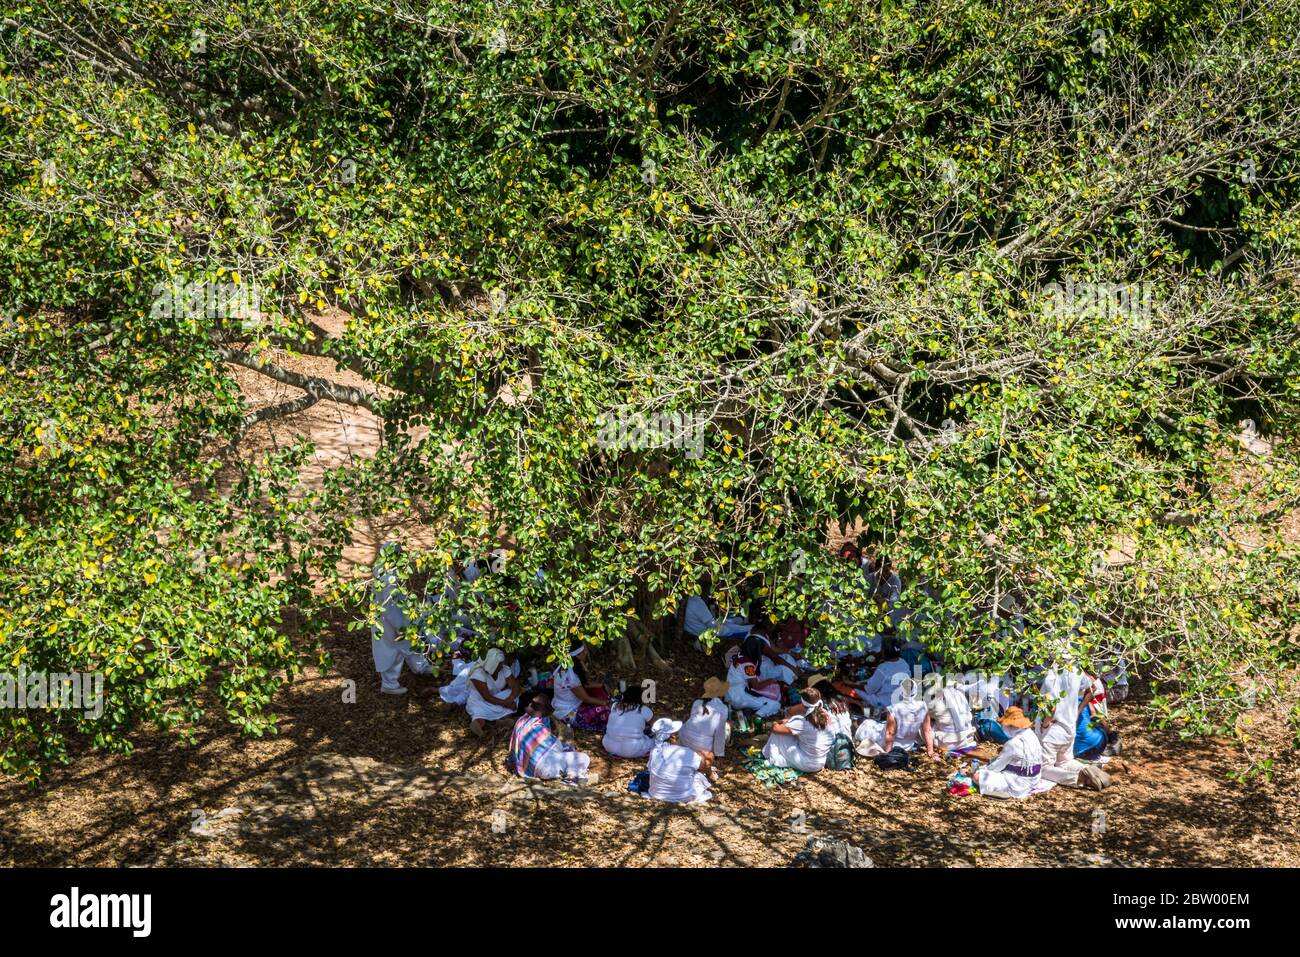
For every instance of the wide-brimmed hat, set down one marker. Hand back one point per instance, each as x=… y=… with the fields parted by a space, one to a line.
x=715 y=688
x=813 y=681
x=1013 y=717
x=665 y=728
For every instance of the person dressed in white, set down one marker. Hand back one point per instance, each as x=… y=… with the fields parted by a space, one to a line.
x=951 y=719
x=493 y=691
x=772 y=664
x=1017 y=770
x=882 y=687
x=570 y=689
x=700 y=619
x=625 y=734
x=395 y=612
x=802 y=741
x=742 y=676
x=677 y=773
x=906 y=726
x=837 y=709
x=457 y=691
x=1062 y=692
x=706 y=728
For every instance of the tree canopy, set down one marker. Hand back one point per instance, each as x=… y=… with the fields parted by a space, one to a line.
x=650 y=290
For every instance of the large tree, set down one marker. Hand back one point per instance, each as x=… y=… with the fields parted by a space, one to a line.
x=995 y=282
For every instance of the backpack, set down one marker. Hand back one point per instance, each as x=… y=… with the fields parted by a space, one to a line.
x=895 y=760
x=840 y=757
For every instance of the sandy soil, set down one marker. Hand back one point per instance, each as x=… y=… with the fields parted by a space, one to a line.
x=386 y=781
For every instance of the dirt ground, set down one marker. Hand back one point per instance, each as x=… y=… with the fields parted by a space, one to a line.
x=400 y=781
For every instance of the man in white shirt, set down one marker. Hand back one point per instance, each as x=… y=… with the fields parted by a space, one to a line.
x=395 y=611
x=1017 y=771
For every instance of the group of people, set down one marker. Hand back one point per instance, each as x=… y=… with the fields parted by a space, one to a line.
x=883 y=704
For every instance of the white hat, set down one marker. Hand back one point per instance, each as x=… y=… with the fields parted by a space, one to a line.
x=493 y=660
x=665 y=728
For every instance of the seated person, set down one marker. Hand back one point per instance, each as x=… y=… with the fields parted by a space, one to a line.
x=906 y=726
x=1090 y=735
x=456 y=692
x=1062 y=693
x=771 y=662
x=880 y=689
x=802 y=741
x=537 y=752
x=951 y=720
x=744 y=686
x=493 y=691
x=886 y=586
x=584 y=706
x=625 y=734
x=706 y=728
x=992 y=697
x=677 y=773
x=836 y=704
x=1017 y=771
x=701 y=616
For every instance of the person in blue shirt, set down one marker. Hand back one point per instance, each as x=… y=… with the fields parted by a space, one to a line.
x=1089 y=736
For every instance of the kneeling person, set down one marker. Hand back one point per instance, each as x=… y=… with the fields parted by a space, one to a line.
x=677 y=773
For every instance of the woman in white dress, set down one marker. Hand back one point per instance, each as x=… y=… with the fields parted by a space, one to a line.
x=951 y=720
x=677 y=773
x=906 y=726
x=625 y=734
x=802 y=741
x=493 y=691
x=706 y=728
x=1017 y=772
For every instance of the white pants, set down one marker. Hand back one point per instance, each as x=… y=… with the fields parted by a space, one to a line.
x=560 y=762
x=1059 y=765
x=747 y=701
x=390 y=655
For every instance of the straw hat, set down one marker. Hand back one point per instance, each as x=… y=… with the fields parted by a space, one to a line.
x=715 y=688
x=1014 y=718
